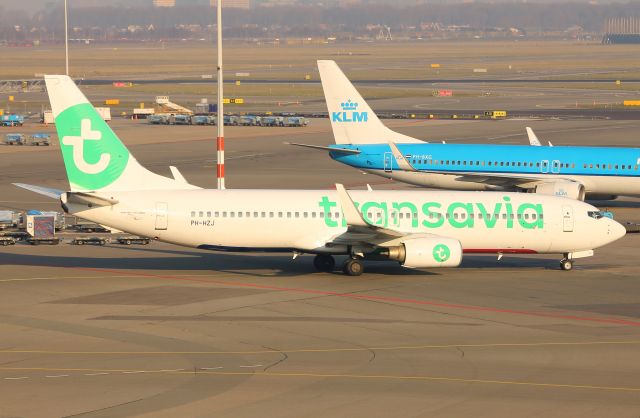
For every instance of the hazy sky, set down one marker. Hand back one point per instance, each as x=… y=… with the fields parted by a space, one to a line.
x=35 y=5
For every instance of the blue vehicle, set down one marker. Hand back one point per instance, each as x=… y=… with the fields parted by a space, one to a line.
x=363 y=142
x=15 y=139
x=11 y=120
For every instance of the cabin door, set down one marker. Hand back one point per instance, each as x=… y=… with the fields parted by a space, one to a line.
x=567 y=219
x=162 y=209
x=388 y=162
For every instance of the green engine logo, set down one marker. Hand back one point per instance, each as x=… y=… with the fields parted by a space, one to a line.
x=441 y=253
x=93 y=155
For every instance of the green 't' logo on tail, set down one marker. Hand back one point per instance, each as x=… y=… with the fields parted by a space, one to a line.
x=93 y=155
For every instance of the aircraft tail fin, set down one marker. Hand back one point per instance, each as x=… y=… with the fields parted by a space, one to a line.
x=94 y=157
x=352 y=120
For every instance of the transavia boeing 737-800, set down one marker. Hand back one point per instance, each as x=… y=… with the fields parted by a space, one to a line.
x=363 y=142
x=419 y=229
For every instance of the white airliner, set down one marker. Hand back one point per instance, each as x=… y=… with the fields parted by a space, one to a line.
x=418 y=229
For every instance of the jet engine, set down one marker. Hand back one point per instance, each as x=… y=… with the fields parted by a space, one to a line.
x=562 y=188
x=426 y=252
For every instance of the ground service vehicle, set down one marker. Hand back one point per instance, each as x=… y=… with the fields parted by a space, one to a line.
x=15 y=139
x=40 y=139
x=4 y=241
x=89 y=241
x=133 y=240
x=11 y=120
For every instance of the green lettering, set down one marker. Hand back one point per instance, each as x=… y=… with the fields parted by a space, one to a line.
x=380 y=221
x=326 y=206
x=538 y=222
x=509 y=211
x=439 y=220
x=467 y=221
x=398 y=206
x=489 y=219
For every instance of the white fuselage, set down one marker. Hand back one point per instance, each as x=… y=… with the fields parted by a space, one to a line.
x=307 y=220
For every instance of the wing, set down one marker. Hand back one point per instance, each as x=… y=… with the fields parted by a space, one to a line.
x=360 y=232
x=533 y=139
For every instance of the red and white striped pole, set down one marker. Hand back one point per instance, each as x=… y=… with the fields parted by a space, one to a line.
x=220 y=140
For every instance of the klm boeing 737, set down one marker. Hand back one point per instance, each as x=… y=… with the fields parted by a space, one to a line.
x=363 y=142
x=418 y=229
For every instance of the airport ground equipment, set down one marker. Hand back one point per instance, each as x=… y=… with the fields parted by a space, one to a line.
x=414 y=228
x=158 y=119
x=89 y=241
x=129 y=240
x=249 y=120
x=91 y=228
x=15 y=139
x=202 y=120
x=272 y=121
x=11 y=120
x=16 y=235
x=167 y=106
x=9 y=219
x=41 y=230
x=295 y=121
x=4 y=241
x=179 y=120
x=40 y=139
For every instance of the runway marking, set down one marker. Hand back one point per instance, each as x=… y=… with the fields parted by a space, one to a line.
x=134 y=372
x=253 y=365
x=390 y=299
x=28 y=279
x=211 y=368
x=16 y=378
x=58 y=375
x=349 y=376
x=323 y=350
x=96 y=374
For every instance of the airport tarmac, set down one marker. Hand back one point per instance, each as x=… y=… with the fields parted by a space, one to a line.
x=166 y=331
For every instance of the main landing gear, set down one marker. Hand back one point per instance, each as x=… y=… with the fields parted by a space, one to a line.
x=353 y=267
x=326 y=263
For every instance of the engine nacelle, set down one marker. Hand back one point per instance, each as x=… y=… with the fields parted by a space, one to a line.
x=427 y=252
x=561 y=188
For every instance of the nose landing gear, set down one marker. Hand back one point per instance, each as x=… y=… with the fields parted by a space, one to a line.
x=566 y=264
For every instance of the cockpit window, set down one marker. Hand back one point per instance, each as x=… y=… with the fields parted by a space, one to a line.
x=595 y=214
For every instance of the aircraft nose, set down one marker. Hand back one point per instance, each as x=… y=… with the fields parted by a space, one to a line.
x=616 y=230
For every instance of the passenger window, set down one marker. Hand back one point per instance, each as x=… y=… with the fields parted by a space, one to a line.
x=217 y=214
x=288 y=214
x=201 y=214
x=297 y=214
x=239 y=214
x=193 y=214
x=279 y=214
x=271 y=214
x=255 y=215
x=208 y=214
x=224 y=214
x=337 y=215
x=313 y=214
x=306 y=214
x=232 y=214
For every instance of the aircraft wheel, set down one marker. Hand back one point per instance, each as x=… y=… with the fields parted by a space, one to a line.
x=566 y=264
x=353 y=267
x=324 y=262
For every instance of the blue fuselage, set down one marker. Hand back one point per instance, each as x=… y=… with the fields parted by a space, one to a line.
x=597 y=166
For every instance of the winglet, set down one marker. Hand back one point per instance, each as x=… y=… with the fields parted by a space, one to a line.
x=351 y=213
x=403 y=163
x=177 y=175
x=533 y=139
x=322 y=148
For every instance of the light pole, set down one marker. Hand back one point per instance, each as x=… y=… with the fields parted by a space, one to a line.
x=66 y=39
x=220 y=139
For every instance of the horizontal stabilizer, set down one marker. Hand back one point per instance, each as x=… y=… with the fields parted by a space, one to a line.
x=45 y=191
x=320 y=147
x=533 y=139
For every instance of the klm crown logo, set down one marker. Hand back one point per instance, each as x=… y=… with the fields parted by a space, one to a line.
x=349 y=113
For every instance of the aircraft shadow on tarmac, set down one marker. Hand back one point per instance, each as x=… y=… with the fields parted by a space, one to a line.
x=271 y=264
